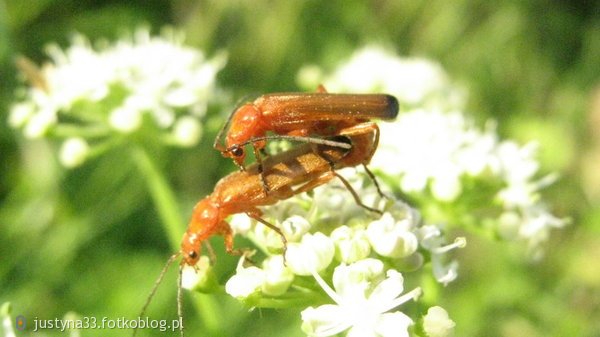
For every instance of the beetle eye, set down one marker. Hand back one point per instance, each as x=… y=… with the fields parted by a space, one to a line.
x=237 y=151
x=192 y=254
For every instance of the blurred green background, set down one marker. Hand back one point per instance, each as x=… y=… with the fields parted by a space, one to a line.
x=89 y=240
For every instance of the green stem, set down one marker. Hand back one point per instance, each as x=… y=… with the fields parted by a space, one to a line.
x=168 y=211
x=162 y=195
x=300 y=300
x=89 y=132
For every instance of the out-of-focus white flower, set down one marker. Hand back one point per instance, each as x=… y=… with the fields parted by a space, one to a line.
x=362 y=305
x=73 y=152
x=446 y=188
x=6 y=324
x=537 y=221
x=414 y=81
x=20 y=114
x=433 y=145
x=125 y=119
x=39 y=124
x=187 y=131
x=436 y=323
x=70 y=319
x=140 y=80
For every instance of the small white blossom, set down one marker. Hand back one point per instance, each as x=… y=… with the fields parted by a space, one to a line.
x=241 y=223
x=351 y=244
x=194 y=277
x=431 y=239
x=277 y=277
x=336 y=204
x=273 y=279
x=313 y=254
x=362 y=305
x=392 y=238
x=73 y=152
x=436 y=323
x=247 y=281
x=293 y=228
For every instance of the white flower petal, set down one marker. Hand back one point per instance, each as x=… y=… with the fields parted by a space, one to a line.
x=245 y=282
x=325 y=320
x=351 y=244
x=392 y=238
x=277 y=277
x=389 y=288
x=393 y=324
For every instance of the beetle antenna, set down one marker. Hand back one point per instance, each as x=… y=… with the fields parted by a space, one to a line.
x=155 y=287
x=219 y=144
x=309 y=140
x=180 y=300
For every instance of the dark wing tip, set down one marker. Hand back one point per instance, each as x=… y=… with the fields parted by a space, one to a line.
x=392 y=106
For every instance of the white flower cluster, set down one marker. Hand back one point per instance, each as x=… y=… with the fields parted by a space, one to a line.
x=364 y=256
x=437 y=154
x=87 y=93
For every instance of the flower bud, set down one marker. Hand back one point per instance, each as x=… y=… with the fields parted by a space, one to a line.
x=277 y=277
x=73 y=152
x=351 y=244
x=436 y=323
x=390 y=238
x=314 y=253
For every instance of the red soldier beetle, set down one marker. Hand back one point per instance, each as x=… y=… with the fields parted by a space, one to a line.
x=298 y=170
x=303 y=117
x=289 y=173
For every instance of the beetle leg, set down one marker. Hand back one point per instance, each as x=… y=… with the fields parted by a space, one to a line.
x=211 y=252
x=360 y=129
x=375 y=182
x=225 y=230
x=321 y=89
x=258 y=156
x=257 y=217
x=355 y=195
